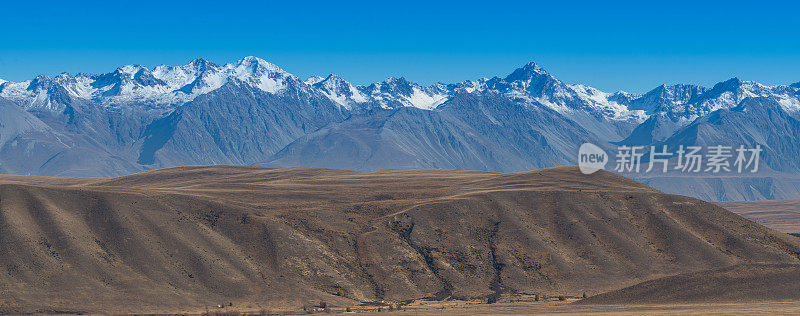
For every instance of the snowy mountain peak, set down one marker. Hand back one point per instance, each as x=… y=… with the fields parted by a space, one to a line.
x=729 y=85
x=667 y=98
x=398 y=92
x=534 y=67
x=42 y=92
x=256 y=64
x=40 y=82
x=390 y=87
x=735 y=90
x=340 y=91
x=130 y=70
x=202 y=64
x=313 y=80
x=335 y=80
x=734 y=80
x=334 y=77
x=64 y=76
x=395 y=80
x=185 y=78
x=260 y=73
x=128 y=83
x=527 y=72
x=679 y=93
x=394 y=85
x=471 y=86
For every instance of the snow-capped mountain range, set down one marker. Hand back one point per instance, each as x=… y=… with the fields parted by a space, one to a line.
x=164 y=86
x=171 y=86
x=253 y=112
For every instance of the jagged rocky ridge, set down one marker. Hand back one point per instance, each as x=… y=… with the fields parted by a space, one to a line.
x=253 y=112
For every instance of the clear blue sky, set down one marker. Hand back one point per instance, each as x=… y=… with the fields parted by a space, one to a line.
x=631 y=46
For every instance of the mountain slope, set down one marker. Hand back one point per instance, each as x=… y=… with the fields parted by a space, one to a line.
x=477 y=132
x=740 y=283
x=752 y=122
x=50 y=145
x=757 y=121
x=183 y=238
x=234 y=125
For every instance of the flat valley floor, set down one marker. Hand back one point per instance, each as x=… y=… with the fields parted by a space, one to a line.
x=527 y=306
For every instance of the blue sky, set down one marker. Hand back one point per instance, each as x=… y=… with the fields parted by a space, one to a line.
x=632 y=46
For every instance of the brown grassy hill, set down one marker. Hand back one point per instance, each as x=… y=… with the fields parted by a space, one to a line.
x=782 y=215
x=183 y=238
x=739 y=283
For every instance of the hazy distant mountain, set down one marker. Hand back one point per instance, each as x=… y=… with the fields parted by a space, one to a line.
x=483 y=131
x=253 y=112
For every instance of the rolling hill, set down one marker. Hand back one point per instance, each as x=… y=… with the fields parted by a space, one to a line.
x=181 y=239
x=739 y=283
